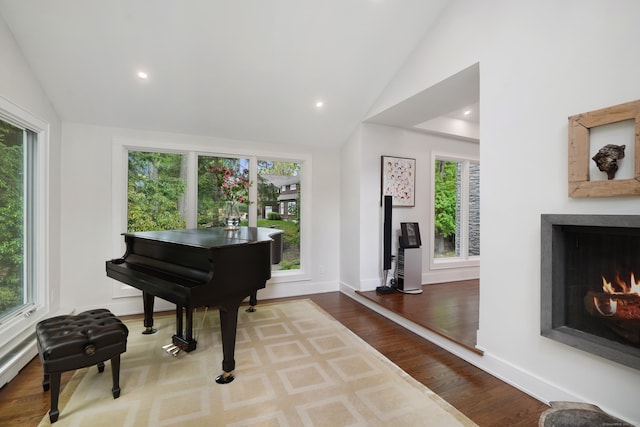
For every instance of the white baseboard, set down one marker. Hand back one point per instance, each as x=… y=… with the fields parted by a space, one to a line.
x=292 y=289
x=17 y=359
x=123 y=306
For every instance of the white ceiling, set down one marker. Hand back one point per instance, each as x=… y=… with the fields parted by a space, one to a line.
x=243 y=69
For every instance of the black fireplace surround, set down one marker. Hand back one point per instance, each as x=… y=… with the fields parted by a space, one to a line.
x=580 y=253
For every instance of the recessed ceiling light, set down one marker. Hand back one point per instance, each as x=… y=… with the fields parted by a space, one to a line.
x=467 y=112
x=143 y=75
x=319 y=104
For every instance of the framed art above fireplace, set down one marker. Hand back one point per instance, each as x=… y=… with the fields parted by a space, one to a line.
x=581 y=154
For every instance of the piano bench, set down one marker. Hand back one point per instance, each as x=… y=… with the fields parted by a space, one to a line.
x=72 y=342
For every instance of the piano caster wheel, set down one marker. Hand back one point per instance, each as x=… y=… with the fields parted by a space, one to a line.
x=251 y=309
x=225 y=378
x=149 y=330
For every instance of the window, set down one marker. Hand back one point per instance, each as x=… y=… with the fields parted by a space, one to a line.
x=23 y=271
x=15 y=291
x=168 y=189
x=456 y=210
x=156 y=187
x=210 y=206
x=292 y=208
x=274 y=178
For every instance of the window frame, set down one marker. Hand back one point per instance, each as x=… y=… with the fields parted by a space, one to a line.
x=120 y=149
x=291 y=205
x=22 y=321
x=464 y=260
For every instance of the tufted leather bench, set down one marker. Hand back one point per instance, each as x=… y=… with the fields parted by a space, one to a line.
x=72 y=342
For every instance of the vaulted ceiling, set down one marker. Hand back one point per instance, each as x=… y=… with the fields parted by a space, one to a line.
x=242 y=69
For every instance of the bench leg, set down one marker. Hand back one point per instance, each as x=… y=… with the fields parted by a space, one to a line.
x=45 y=382
x=115 y=373
x=100 y=367
x=55 y=391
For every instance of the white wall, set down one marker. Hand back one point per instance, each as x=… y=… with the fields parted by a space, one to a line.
x=540 y=62
x=373 y=142
x=87 y=234
x=350 y=227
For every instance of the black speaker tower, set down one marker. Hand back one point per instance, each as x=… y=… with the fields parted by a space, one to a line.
x=386 y=245
x=386 y=232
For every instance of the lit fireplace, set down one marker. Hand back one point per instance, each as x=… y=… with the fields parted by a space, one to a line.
x=590 y=298
x=617 y=306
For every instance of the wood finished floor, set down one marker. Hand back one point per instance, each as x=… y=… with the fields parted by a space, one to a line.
x=448 y=309
x=481 y=397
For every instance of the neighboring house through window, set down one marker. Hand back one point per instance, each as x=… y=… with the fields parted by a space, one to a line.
x=288 y=195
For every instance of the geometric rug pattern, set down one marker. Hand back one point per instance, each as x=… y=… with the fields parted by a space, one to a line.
x=295 y=366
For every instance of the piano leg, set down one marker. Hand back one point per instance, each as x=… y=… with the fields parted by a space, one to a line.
x=147 y=302
x=253 y=301
x=228 y=328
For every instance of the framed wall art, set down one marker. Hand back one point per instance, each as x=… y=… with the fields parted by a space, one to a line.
x=608 y=158
x=398 y=180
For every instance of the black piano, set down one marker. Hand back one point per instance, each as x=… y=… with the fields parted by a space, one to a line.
x=193 y=268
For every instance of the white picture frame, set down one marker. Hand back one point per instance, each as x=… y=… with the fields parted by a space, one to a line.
x=398 y=180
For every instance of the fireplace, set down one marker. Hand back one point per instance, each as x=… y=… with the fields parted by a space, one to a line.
x=590 y=284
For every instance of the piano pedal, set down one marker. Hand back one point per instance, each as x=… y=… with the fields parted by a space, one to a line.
x=171 y=349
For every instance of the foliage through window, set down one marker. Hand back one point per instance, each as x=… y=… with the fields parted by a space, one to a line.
x=155 y=191
x=456 y=209
x=211 y=200
x=17 y=176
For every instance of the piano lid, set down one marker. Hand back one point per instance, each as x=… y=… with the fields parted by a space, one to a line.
x=208 y=237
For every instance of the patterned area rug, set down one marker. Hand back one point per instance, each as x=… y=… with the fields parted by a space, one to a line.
x=295 y=366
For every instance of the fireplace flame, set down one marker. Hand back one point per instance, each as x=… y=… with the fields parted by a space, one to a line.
x=609 y=308
x=633 y=287
x=617 y=307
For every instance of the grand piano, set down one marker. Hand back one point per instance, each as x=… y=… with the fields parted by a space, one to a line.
x=192 y=268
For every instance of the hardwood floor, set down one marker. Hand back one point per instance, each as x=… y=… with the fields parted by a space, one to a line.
x=480 y=396
x=448 y=309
